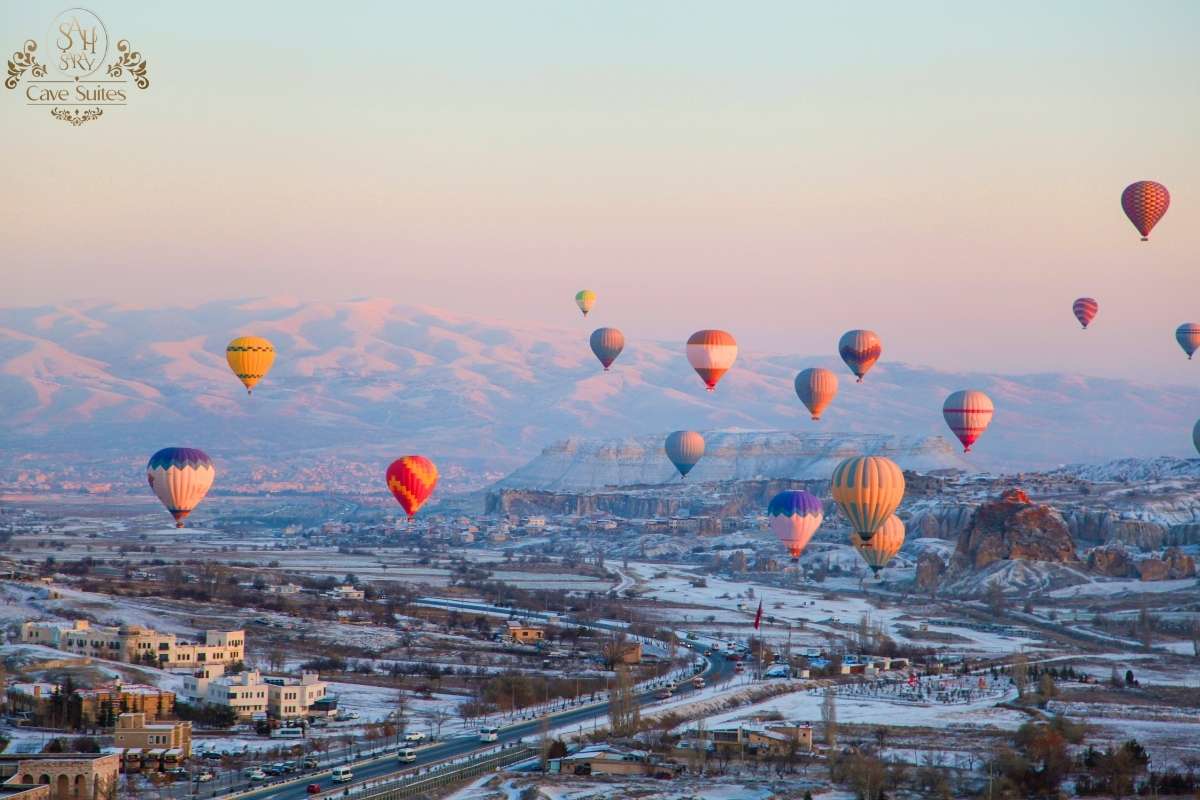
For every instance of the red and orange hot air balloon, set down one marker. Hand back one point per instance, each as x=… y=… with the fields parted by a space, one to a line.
x=711 y=353
x=860 y=349
x=412 y=479
x=1145 y=203
x=1085 y=309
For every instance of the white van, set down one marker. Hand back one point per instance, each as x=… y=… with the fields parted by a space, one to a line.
x=407 y=755
x=341 y=775
x=489 y=734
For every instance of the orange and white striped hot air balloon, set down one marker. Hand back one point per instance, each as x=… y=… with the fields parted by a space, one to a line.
x=868 y=489
x=883 y=546
x=711 y=353
x=968 y=413
x=816 y=388
x=412 y=480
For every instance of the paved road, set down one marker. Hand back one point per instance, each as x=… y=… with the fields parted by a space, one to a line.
x=720 y=669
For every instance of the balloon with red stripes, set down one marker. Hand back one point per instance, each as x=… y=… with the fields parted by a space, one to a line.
x=1085 y=309
x=1145 y=203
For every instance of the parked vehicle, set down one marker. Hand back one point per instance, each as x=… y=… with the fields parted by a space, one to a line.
x=212 y=755
x=203 y=777
x=414 y=736
x=407 y=755
x=257 y=775
x=698 y=682
x=489 y=734
x=311 y=763
x=341 y=775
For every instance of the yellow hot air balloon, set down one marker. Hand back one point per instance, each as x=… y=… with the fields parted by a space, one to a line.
x=585 y=299
x=868 y=489
x=250 y=358
x=880 y=548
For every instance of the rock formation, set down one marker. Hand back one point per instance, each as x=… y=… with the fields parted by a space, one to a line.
x=1014 y=528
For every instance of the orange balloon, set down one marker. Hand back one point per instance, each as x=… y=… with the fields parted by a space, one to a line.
x=412 y=479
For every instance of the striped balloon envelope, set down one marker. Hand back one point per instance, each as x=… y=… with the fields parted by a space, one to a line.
x=816 y=387
x=1085 y=309
x=250 y=358
x=1145 y=203
x=795 y=516
x=684 y=449
x=860 y=349
x=585 y=299
x=1188 y=336
x=412 y=480
x=711 y=353
x=883 y=546
x=607 y=344
x=180 y=477
x=968 y=413
x=868 y=489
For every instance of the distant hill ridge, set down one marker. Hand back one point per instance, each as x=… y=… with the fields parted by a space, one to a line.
x=581 y=464
x=375 y=374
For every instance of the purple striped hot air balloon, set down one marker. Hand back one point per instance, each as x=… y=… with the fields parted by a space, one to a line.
x=607 y=344
x=180 y=477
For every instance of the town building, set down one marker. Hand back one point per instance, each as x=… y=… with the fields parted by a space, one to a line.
x=99 y=706
x=758 y=740
x=288 y=698
x=606 y=759
x=284 y=589
x=135 y=644
x=134 y=731
x=246 y=693
x=65 y=776
x=623 y=652
x=346 y=592
x=521 y=633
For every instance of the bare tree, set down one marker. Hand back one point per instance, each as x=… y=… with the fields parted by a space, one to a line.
x=829 y=716
x=1020 y=673
x=624 y=711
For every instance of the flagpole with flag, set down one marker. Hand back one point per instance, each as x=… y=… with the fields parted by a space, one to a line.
x=757 y=623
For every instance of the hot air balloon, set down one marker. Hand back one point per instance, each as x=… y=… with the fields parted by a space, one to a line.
x=795 y=516
x=868 y=489
x=1145 y=203
x=880 y=549
x=585 y=299
x=1085 y=309
x=968 y=413
x=860 y=350
x=180 y=476
x=711 y=353
x=607 y=344
x=1188 y=336
x=684 y=448
x=1196 y=436
x=250 y=358
x=412 y=479
x=816 y=388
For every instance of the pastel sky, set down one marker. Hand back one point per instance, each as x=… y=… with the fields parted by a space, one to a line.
x=946 y=173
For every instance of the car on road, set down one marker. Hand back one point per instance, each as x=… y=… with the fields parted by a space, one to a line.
x=311 y=763
x=313 y=788
x=407 y=755
x=489 y=734
x=663 y=694
x=414 y=736
x=257 y=775
x=273 y=769
x=341 y=775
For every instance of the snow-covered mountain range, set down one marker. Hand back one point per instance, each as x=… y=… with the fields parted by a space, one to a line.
x=374 y=375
